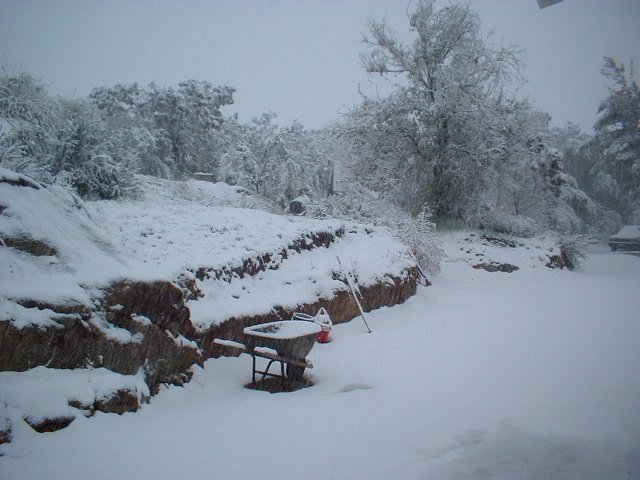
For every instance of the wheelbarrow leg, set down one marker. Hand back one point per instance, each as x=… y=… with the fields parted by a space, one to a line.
x=266 y=370
x=294 y=372
x=282 y=378
x=253 y=373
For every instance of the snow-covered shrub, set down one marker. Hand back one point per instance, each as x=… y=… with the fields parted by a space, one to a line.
x=63 y=141
x=497 y=220
x=609 y=222
x=364 y=206
x=358 y=204
x=417 y=234
x=573 y=249
x=563 y=219
x=103 y=178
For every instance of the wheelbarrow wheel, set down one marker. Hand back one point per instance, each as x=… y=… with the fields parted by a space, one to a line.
x=294 y=372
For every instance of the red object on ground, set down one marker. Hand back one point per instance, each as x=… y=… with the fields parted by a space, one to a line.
x=323 y=336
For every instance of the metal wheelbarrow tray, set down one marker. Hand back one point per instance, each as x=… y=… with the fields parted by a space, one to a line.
x=290 y=338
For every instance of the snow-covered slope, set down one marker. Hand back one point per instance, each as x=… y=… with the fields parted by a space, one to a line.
x=482 y=249
x=202 y=228
x=59 y=254
x=104 y=284
x=530 y=374
x=177 y=226
x=180 y=229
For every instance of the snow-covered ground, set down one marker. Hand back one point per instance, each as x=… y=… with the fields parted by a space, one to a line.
x=174 y=230
x=530 y=374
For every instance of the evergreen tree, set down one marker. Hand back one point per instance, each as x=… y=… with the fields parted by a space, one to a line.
x=618 y=138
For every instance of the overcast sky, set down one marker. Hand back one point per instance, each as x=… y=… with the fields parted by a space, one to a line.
x=299 y=59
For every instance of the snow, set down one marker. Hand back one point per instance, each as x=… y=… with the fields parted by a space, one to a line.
x=180 y=225
x=265 y=351
x=45 y=392
x=473 y=248
x=628 y=231
x=303 y=278
x=22 y=317
x=286 y=329
x=530 y=374
x=141 y=319
x=84 y=256
x=229 y=343
x=117 y=334
x=173 y=230
x=182 y=341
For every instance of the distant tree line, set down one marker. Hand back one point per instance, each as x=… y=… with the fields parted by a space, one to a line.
x=452 y=143
x=454 y=139
x=97 y=144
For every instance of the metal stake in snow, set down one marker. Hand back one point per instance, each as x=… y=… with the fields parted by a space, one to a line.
x=353 y=292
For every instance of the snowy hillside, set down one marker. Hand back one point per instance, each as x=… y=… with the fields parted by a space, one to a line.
x=529 y=374
x=138 y=290
x=202 y=228
x=177 y=230
x=56 y=248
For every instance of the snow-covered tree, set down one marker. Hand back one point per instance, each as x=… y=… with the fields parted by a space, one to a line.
x=278 y=163
x=178 y=130
x=452 y=137
x=253 y=159
x=377 y=141
x=23 y=99
x=606 y=165
x=193 y=125
x=447 y=113
x=618 y=137
x=58 y=140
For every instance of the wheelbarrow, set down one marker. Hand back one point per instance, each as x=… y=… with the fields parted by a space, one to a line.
x=285 y=341
x=292 y=340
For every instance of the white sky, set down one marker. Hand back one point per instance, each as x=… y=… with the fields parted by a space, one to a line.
x=299 y=59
